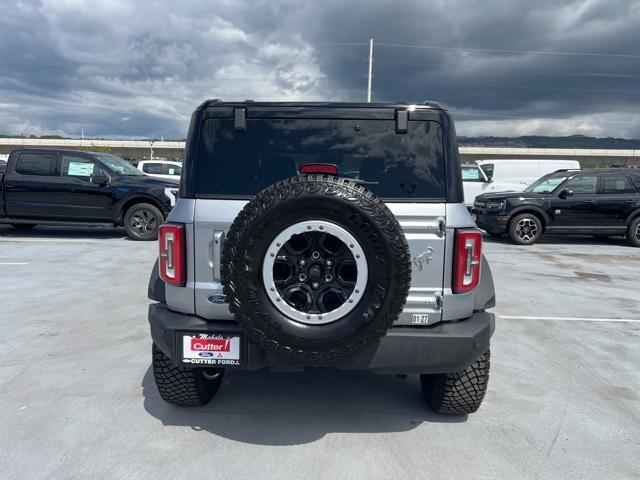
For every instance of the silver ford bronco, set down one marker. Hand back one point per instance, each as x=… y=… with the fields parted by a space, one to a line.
x=321 y=234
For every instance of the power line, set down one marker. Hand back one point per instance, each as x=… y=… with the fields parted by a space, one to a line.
x=348 y=44
x=560 y=74
x=493 y=50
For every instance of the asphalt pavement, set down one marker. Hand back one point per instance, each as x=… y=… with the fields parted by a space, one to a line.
x=78 y=400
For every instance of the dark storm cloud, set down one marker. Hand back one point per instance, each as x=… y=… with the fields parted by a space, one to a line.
x=139 y=68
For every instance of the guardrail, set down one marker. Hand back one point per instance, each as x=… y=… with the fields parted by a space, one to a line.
x=464 y=151
x=72 y=142
x=549 y=152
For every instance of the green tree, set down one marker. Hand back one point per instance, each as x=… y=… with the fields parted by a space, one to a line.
x=97 y=149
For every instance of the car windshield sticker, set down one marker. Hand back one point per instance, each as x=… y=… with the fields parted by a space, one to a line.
x=80 y=169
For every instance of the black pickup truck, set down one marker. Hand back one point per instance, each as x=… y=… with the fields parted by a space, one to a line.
x=67 y=187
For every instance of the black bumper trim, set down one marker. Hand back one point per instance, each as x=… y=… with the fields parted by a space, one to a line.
x=492 y=223
x=443 y=348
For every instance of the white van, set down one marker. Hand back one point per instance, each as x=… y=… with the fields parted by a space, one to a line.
x=507 y=175
x=523 y=170
x=476 y=182
x=161 y=168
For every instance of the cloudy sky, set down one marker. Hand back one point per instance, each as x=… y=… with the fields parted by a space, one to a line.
x=124 y=68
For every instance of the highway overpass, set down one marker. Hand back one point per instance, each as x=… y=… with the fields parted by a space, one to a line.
x=139 y=149
x=133 y=149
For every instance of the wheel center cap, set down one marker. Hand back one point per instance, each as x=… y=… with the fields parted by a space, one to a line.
x=315 y=272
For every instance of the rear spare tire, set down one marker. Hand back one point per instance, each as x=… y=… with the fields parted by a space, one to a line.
x=316 y=268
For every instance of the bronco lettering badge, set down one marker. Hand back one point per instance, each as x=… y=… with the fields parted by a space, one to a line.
x=423 y=258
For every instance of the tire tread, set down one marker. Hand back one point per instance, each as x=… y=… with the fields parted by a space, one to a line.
x=181 y=387
x=460 y=392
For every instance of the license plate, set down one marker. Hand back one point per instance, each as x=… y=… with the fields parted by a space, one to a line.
x=420 y=319
x=211 y=349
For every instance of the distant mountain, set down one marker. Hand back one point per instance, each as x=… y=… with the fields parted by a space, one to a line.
x=534 y=141
x=59 y=137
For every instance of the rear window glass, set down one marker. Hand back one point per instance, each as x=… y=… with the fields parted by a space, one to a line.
x=161 y=169
x=616 y=185
x=155 y=168
x=393 y=166
x=40 y=164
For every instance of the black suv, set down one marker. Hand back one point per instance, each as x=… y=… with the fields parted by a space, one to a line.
x=600 y=202
x=52 y=187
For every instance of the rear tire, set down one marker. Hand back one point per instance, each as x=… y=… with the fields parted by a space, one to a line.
x=182 y=387
x=23 y=226
x=525 y=229
x=633 y=233
x=458 y=393
x=142 y=221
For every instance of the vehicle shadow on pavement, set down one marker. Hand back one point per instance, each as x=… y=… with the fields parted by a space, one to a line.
x=267 y=408
x=50 y=232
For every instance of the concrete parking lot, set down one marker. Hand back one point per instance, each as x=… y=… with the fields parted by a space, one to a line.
x=78 y=399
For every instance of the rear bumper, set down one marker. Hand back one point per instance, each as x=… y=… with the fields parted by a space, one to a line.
x=441 y=348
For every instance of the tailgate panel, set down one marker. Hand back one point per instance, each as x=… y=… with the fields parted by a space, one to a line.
x=422 y=223
x=424 y=226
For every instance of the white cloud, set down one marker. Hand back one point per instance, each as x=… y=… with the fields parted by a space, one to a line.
x=153 y=64
x=91 y=64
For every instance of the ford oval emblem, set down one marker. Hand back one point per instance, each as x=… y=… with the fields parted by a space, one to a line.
x=217 y=299
x=206 y=354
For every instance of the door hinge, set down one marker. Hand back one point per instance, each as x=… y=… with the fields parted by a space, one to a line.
x=439 y=300
x=239 y=119
x=402 y=121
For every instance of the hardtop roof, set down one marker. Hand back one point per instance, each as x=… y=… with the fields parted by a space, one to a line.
x=250 y=103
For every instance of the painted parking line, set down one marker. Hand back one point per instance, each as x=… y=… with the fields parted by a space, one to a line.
x=47 y=240
x=572 y=319
x=14 y=263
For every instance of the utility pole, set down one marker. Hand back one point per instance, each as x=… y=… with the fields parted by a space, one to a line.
x=370 y=70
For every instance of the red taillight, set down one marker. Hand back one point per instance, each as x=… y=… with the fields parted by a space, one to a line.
x=172 y=256
x=468 y=257
x=325 y=168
